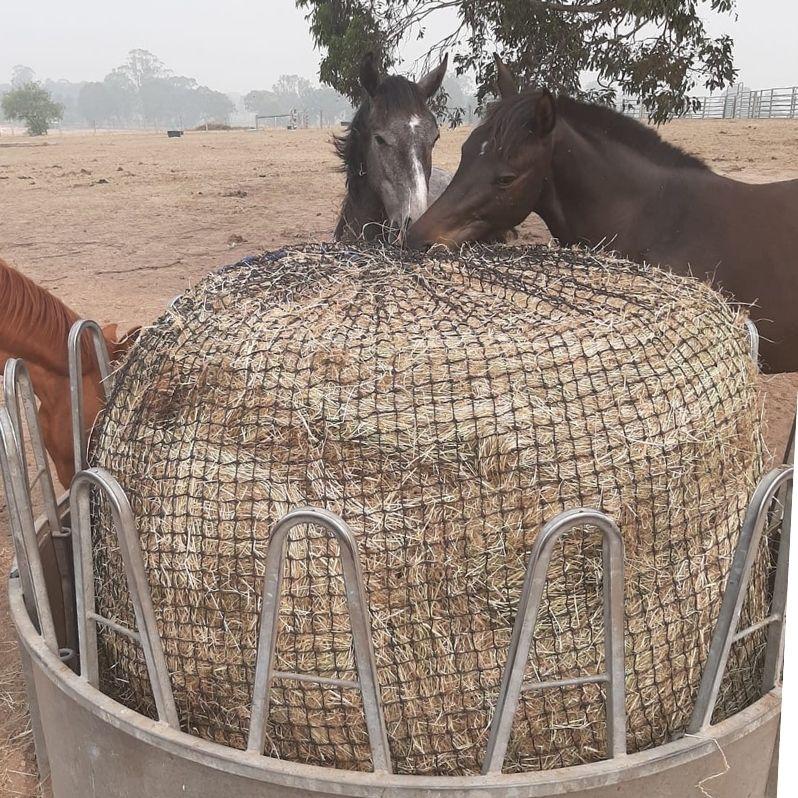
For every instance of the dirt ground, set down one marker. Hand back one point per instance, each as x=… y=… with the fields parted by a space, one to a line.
x=118 y=224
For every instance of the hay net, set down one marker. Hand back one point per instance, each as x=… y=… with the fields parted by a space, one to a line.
x=445 y=406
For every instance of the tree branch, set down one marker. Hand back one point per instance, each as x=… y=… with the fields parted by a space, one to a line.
x=587 y=8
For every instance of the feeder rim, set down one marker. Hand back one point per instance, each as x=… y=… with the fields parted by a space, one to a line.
x=356 y=783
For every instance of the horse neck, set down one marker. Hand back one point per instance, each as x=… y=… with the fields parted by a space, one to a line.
x=54 y=412
x=596 y=194
x=34 y=325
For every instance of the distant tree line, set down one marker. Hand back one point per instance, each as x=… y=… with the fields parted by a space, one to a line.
x=143 y=92
x=140 y=92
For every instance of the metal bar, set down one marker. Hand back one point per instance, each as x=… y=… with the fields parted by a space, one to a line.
x=526 y=620
x=23 y=533
x=789 y=451
x=774 y=653
x=76 y=381
x=359 y=621
x=118 y=628
x=127 y=537
x=734 y=595
x=601 y=678
x=20 y=398
x=755 y=627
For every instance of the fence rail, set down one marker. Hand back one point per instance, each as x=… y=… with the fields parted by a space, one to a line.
x=779 y=103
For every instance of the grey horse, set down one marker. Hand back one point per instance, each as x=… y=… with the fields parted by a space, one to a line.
x=387 y=155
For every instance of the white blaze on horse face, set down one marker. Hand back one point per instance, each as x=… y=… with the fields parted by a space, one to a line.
x=417 y=198
x=418 y=194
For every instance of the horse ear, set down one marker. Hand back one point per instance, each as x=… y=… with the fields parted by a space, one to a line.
x=431 y=82
x=505 y=82
x=131 y=336
x=545 y=113
x=118 y=345
x=369 y=73
x=110 y=332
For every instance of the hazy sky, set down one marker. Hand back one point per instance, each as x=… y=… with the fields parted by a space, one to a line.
x=238 y=45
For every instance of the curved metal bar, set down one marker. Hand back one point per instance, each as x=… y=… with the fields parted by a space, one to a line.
x=76 y=381
x=753 y=340
x=774 y=654
x=127 y=536
x=23 y=532
x=20 y=398
x=524 y=629
x=734 y=597
x=359 y=621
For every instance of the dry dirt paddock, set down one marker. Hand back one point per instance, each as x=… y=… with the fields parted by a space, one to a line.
x=116 y=224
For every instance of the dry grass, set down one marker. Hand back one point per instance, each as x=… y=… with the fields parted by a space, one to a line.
x=445 y=407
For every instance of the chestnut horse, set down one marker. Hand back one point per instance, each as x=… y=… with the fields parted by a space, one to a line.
x=598 y=178
x=34 y=326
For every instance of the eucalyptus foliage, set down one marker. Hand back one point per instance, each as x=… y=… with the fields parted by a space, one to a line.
x=657 y=50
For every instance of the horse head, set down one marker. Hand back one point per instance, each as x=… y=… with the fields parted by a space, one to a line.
x=387 y=151
x=504 y=164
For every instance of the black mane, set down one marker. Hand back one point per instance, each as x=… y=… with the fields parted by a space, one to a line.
x=508 y=121
x=396 y=94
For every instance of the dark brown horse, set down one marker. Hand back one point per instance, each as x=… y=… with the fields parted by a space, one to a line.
x=387 y=154
x=599 y=178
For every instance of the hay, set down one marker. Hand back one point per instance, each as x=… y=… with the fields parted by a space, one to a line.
x=445 y=406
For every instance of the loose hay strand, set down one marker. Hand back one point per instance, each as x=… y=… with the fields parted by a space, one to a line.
x=446 y=406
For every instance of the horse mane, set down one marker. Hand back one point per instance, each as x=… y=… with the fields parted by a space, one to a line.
x=32 y=311
x=508 y=120
x=397 y=94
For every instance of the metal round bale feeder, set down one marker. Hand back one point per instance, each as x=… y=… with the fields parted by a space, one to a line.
x=88 y=744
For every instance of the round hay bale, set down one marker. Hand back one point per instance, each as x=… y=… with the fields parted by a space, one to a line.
x=445 y=406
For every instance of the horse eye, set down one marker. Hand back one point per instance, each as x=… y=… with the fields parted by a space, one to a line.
x=505 y=180
x=380 y=140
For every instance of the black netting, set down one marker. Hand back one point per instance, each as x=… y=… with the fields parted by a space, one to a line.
x=445 y=406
